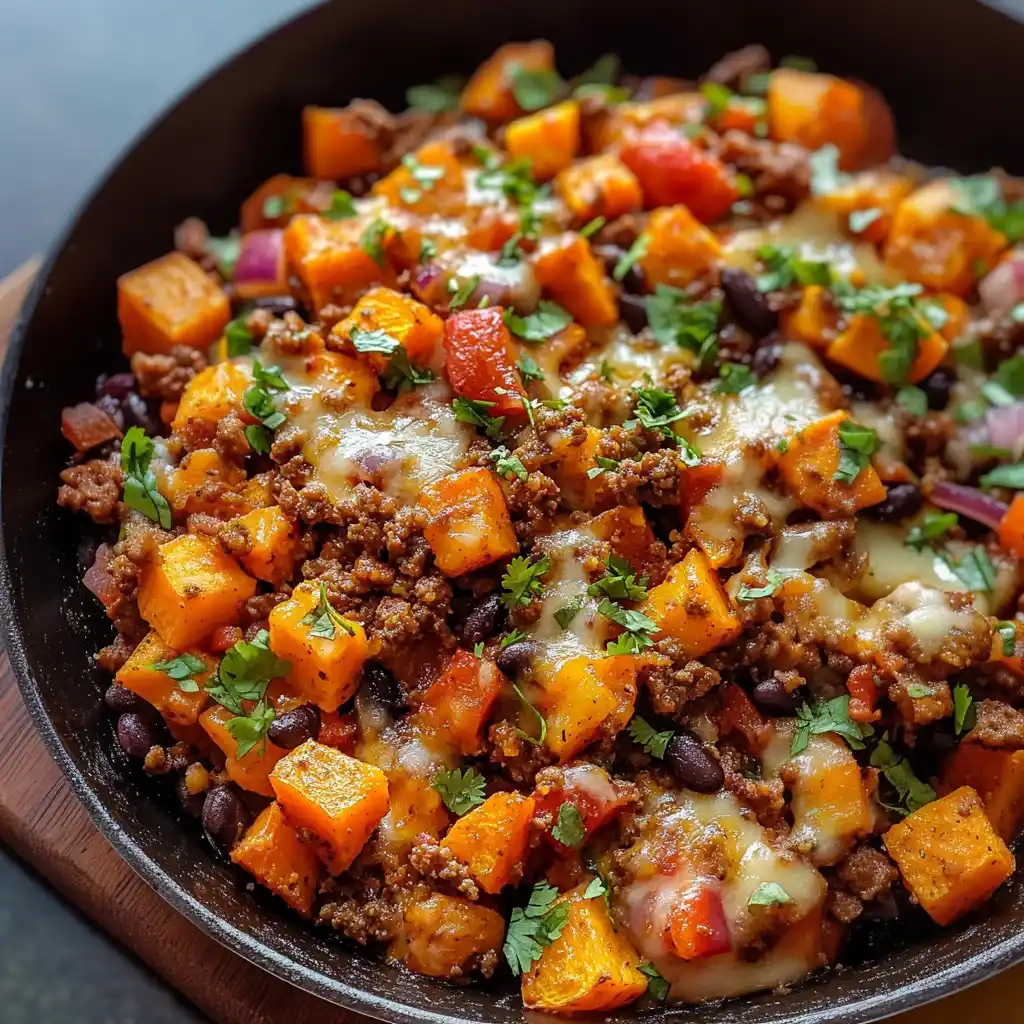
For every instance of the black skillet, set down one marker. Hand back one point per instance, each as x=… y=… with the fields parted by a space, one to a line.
x=950 y=68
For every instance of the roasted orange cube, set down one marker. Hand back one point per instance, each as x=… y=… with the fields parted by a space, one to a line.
x=441 y=934
x=692 y=607
x=204 y=482
x=350 y=380
x=590 y=967
x=624 y=119
x=280 y=197
x=327 y=257
x=414 y=326
x=809 y=466
x=469 y=522
x=141 y=675
x=338 y=143
x=997 y=776
x=679 y=248
x=488 y=94
x=325 y=669
x=189 y=587
x=859 y=347
x=212 y=394
x=491 y=840
x=877 y=190
x=272 y=852
x=272 y=537
x=549 y=139
x=814 y=321
x=950 y=856
x=579 y=491
x=429 y=181
x=336 y=797
x=252 y=770
x=169 y=302
x=598 y=186
x=575 y=277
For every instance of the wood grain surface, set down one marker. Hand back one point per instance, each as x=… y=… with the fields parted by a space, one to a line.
x=42 y=821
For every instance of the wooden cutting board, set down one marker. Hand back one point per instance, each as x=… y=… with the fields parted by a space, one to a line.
x=42 y=821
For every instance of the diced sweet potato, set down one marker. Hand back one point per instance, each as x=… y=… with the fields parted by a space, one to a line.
x=814 y=320
x=328 y=259
x=598 y=186
x=419 y=331
x=590 y=967
x=950 y=856
x=272 y=852
x=416 y=808
x=273 y=537
x=442 y=935
x=1011 y=528
x=679 y=248
x=931 y=244
x=325 y=669
x=809 y=465
x=692 y=607
x=469 y=522
x=488 y=94
x=958 y=317
x=626 y=529
x=879 y=190
x=335 y=796
x=169 y=302
x=549 y=139
x=190 y=587
x=140 y=675
x=204 y=482
x=252 y=770
x=624 y=119
x=858 y=348
x=279 y=198
x=432 y=183
x=575 y=278
x=212 y=394
x=456 y=707
x=579 y=491
x=338 y=143
x=491 y=840
x=997 y=776
x=345 y=376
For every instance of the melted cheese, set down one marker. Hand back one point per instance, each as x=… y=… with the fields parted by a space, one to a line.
x=890 y=562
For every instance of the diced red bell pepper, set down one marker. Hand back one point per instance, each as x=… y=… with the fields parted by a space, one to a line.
x=863 y=694
x=738 y=714
x=698 y=927
x=672 y=170
x=589 y=789
x=86 y=426
x=481 y=360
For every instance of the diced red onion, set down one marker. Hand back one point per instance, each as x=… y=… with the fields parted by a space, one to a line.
x=496 y=293
x=85 y=426
x=1005 y=425
x=98 y=580
x=372 y=461
x=970 y=502
x=260 y=270
x=1003 y=288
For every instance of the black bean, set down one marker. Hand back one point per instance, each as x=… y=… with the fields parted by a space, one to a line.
x=138 y=414
x=902 y=501
x=192 y=803
x=692 y=764
x=382 y=685
x=120 y=699
x=224 y=816
x=633 y=310
x=766 y=357
x=482 y=619
x=748 y=304
x=771 y=697
x=634 y=281
x=277 y=304
x=116 y=385
x=515 y=659
x=294 y=727
x=938 y=386
x=136 y=734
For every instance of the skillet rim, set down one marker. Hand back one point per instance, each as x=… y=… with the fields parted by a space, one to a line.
x=917 y=992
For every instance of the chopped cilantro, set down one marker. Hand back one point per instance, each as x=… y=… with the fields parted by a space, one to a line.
x=549 y=319
x=140 y=490
x=768 y=894
x=341 y=208
x=1011 y=477
x=522 y=580
x=774 y=580
x=568 y=612
x=656 y=410
x=619 y=582
x=981 y=195
x=512 y=637
x=569 y=829
x=734 y=378
x=860 y=220
x=911 y=792
x=1008 y=635
x=785 y=267
x=461 y=294
x=474 y=410
x=657 y=985
x=528 y=369
x=825 y=174
x=404 y=375
x=324 y=619
x=644 y=735
x=965 y=715
x=636 y=624
x=932 y=526
x=542 y=722
x=856 y=446
x=460 y=791
x=603 y=465
x=436 y=97
x=428 y=250
x=637 y=251
x=373 y=341
x=239 y=337
x=974 y=570
x=534 y=89
x=676 y=320
x=592 y=227
x=225 y=251
x=828 y=716
x=181 y=669
x=507 y=465
x=534 y=927
x=913 y=399
x=371 y=241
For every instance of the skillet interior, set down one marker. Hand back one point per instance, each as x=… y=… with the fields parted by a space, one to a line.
x=950 y=78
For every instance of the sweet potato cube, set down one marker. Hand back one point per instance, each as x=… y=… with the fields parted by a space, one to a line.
x=441 y=934
x=140 y=675
x=579 y=491
x=415 y=807
x=252 y=770
x=469 y=522
x=879 y=190
x=860 y=346
x=624 y=119
x=169 y=302
x=549 y=139
x=204 y=482
x=419 y=330
x=950 y=856
x=598 y=186
x=328 y=259
x=692 y=606
x=575 y=278
x=491 y=840
x=338 y=143
x=325 y=669
x=280 y=197
x=809 y=466
x=488 y=94
x=190 y=587
x=814 y=320
x=431 y=181
x=272 y=852
x=272 y=534
x=997 y=776
x=457 y=705
x=212 y=394
x=679 y=248
x=590 y=967
x=625 y=527
x=345 y=376
x=335 y=796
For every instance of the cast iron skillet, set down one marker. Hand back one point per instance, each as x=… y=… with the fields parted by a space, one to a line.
x=954 y=77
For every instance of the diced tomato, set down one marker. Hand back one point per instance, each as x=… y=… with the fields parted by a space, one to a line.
x=223 y=638
x=698 y=481
x=481 y=360
x=698 y=927
x=863 y=694
x=672 y=171
x=738 y=714
x=100 y=580
x=86 y=426
x=589 y=789
x=339 y=731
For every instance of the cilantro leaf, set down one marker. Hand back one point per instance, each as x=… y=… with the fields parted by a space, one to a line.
x=459 y=790
x=542 y=722
x=656 y=409
x=592 y=227
x=568 y=612
x=644 y=735
x=1008 y=634
x=860 y=220
x=828 y=716
x=528 y=369
x=913 y=399
x=474 y=410
x=619 y=582
x=244 y=673
x=258 y=402
x=140 y=491
x=856 y=446
x=982 y=196
x=785 y=267
x=596 y=888
x=437 y=97
x=461 y=294
x=637 y=251
x=549 y=319
x=239 y=337
x=932 y=526
x=825 y=174
x=341 y=206
x=975 y=570
x=225 y=251
x=535 y=88
x=637 y=625
x=911 y=792
x=965 y=715
x=507 y=465
x=371 y=241
x=402 y=374
x=1011 y=477
x=324 y=618
x=534 y=927
x=767 y=894
x=773 y=580
x=373 y=341
x=512 y=637
x=657 y=986
x=603 y=465
x=675 y=319
x=250 y=730
x=181 y=669
x=522 y=580
x=569 y=829
x=734 y=378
